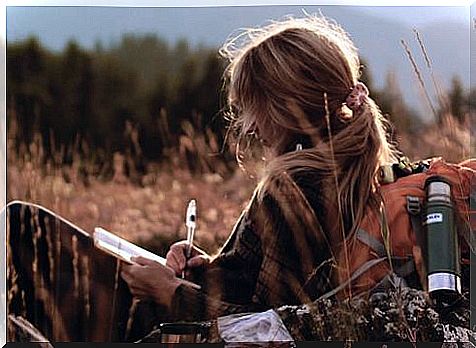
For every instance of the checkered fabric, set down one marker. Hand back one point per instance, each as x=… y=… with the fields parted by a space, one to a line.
x=277 y=254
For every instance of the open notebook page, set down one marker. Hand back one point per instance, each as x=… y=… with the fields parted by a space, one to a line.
x=121 y=248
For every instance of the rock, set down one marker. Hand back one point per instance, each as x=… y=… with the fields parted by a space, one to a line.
x=402 y=314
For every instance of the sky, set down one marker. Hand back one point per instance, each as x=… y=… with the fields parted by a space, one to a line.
x=419 y=16
x=377 y=31
x=55 y=26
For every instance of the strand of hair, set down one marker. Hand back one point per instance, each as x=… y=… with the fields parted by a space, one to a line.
x=338 y=192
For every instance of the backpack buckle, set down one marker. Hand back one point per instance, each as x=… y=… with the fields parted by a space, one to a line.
x=385 y=175
x=413 y=205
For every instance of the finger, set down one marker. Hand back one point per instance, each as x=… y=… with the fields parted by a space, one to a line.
x=179 y=258
x=170 y=258
x=179 y=246
x=171 y=263
x=143 y=261
x=182 y=247
x=125 y=264
x=197 y=261
x=131 y=269
x=125 y=267
x=126 y=276
x=181 y=262
x=137 y=293
x=177 y=268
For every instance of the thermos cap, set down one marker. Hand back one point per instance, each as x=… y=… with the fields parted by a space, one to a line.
x=438 y=189
x=436 y=178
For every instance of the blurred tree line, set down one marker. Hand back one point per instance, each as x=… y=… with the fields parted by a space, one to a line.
x=96 y=102
x=142 y=96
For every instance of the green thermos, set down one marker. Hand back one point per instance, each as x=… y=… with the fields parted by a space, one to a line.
x=442 y=253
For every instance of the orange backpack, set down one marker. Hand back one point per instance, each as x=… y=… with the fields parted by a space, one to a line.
x=373 y=258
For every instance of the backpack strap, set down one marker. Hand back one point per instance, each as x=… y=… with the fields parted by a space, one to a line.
x=472 y=214
x=374 y=244
x=361 y=270
x=414 y=209
x=404 y=270
x=399 y=273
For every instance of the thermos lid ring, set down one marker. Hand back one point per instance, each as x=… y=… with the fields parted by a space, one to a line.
x=436 y=178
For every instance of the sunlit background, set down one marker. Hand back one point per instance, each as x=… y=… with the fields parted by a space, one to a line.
x=115 y=114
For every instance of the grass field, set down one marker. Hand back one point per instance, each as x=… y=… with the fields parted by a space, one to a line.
x=152 y=213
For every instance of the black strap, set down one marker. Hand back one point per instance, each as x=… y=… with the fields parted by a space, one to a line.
x=406 y=269
x=414 y=209
x=472 y=207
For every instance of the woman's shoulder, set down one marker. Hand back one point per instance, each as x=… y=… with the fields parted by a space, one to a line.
x=296 y=191
x=300 y=181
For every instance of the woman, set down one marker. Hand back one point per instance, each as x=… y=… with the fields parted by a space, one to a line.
x=294 y=85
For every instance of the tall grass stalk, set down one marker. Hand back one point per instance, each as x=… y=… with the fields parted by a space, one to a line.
x=338 y=193
x=419 y=77
x=440 y=94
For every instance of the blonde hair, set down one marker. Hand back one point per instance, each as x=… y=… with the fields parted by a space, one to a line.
x=288 y=82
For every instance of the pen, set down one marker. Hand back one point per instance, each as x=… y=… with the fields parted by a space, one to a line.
x=191 y=224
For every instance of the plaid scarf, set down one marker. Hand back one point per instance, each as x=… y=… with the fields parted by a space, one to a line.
x=277 y=254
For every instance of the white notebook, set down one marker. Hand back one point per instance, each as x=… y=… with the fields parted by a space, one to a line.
x=124 y=250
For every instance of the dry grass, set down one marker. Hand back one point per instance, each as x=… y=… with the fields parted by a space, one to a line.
x=450 y=139
x=153 y=213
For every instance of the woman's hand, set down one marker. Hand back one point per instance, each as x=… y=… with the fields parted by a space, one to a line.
x=148 y=279
x=177 y=260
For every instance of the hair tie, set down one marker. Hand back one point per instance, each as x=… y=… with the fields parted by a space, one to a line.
x=357 y=96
